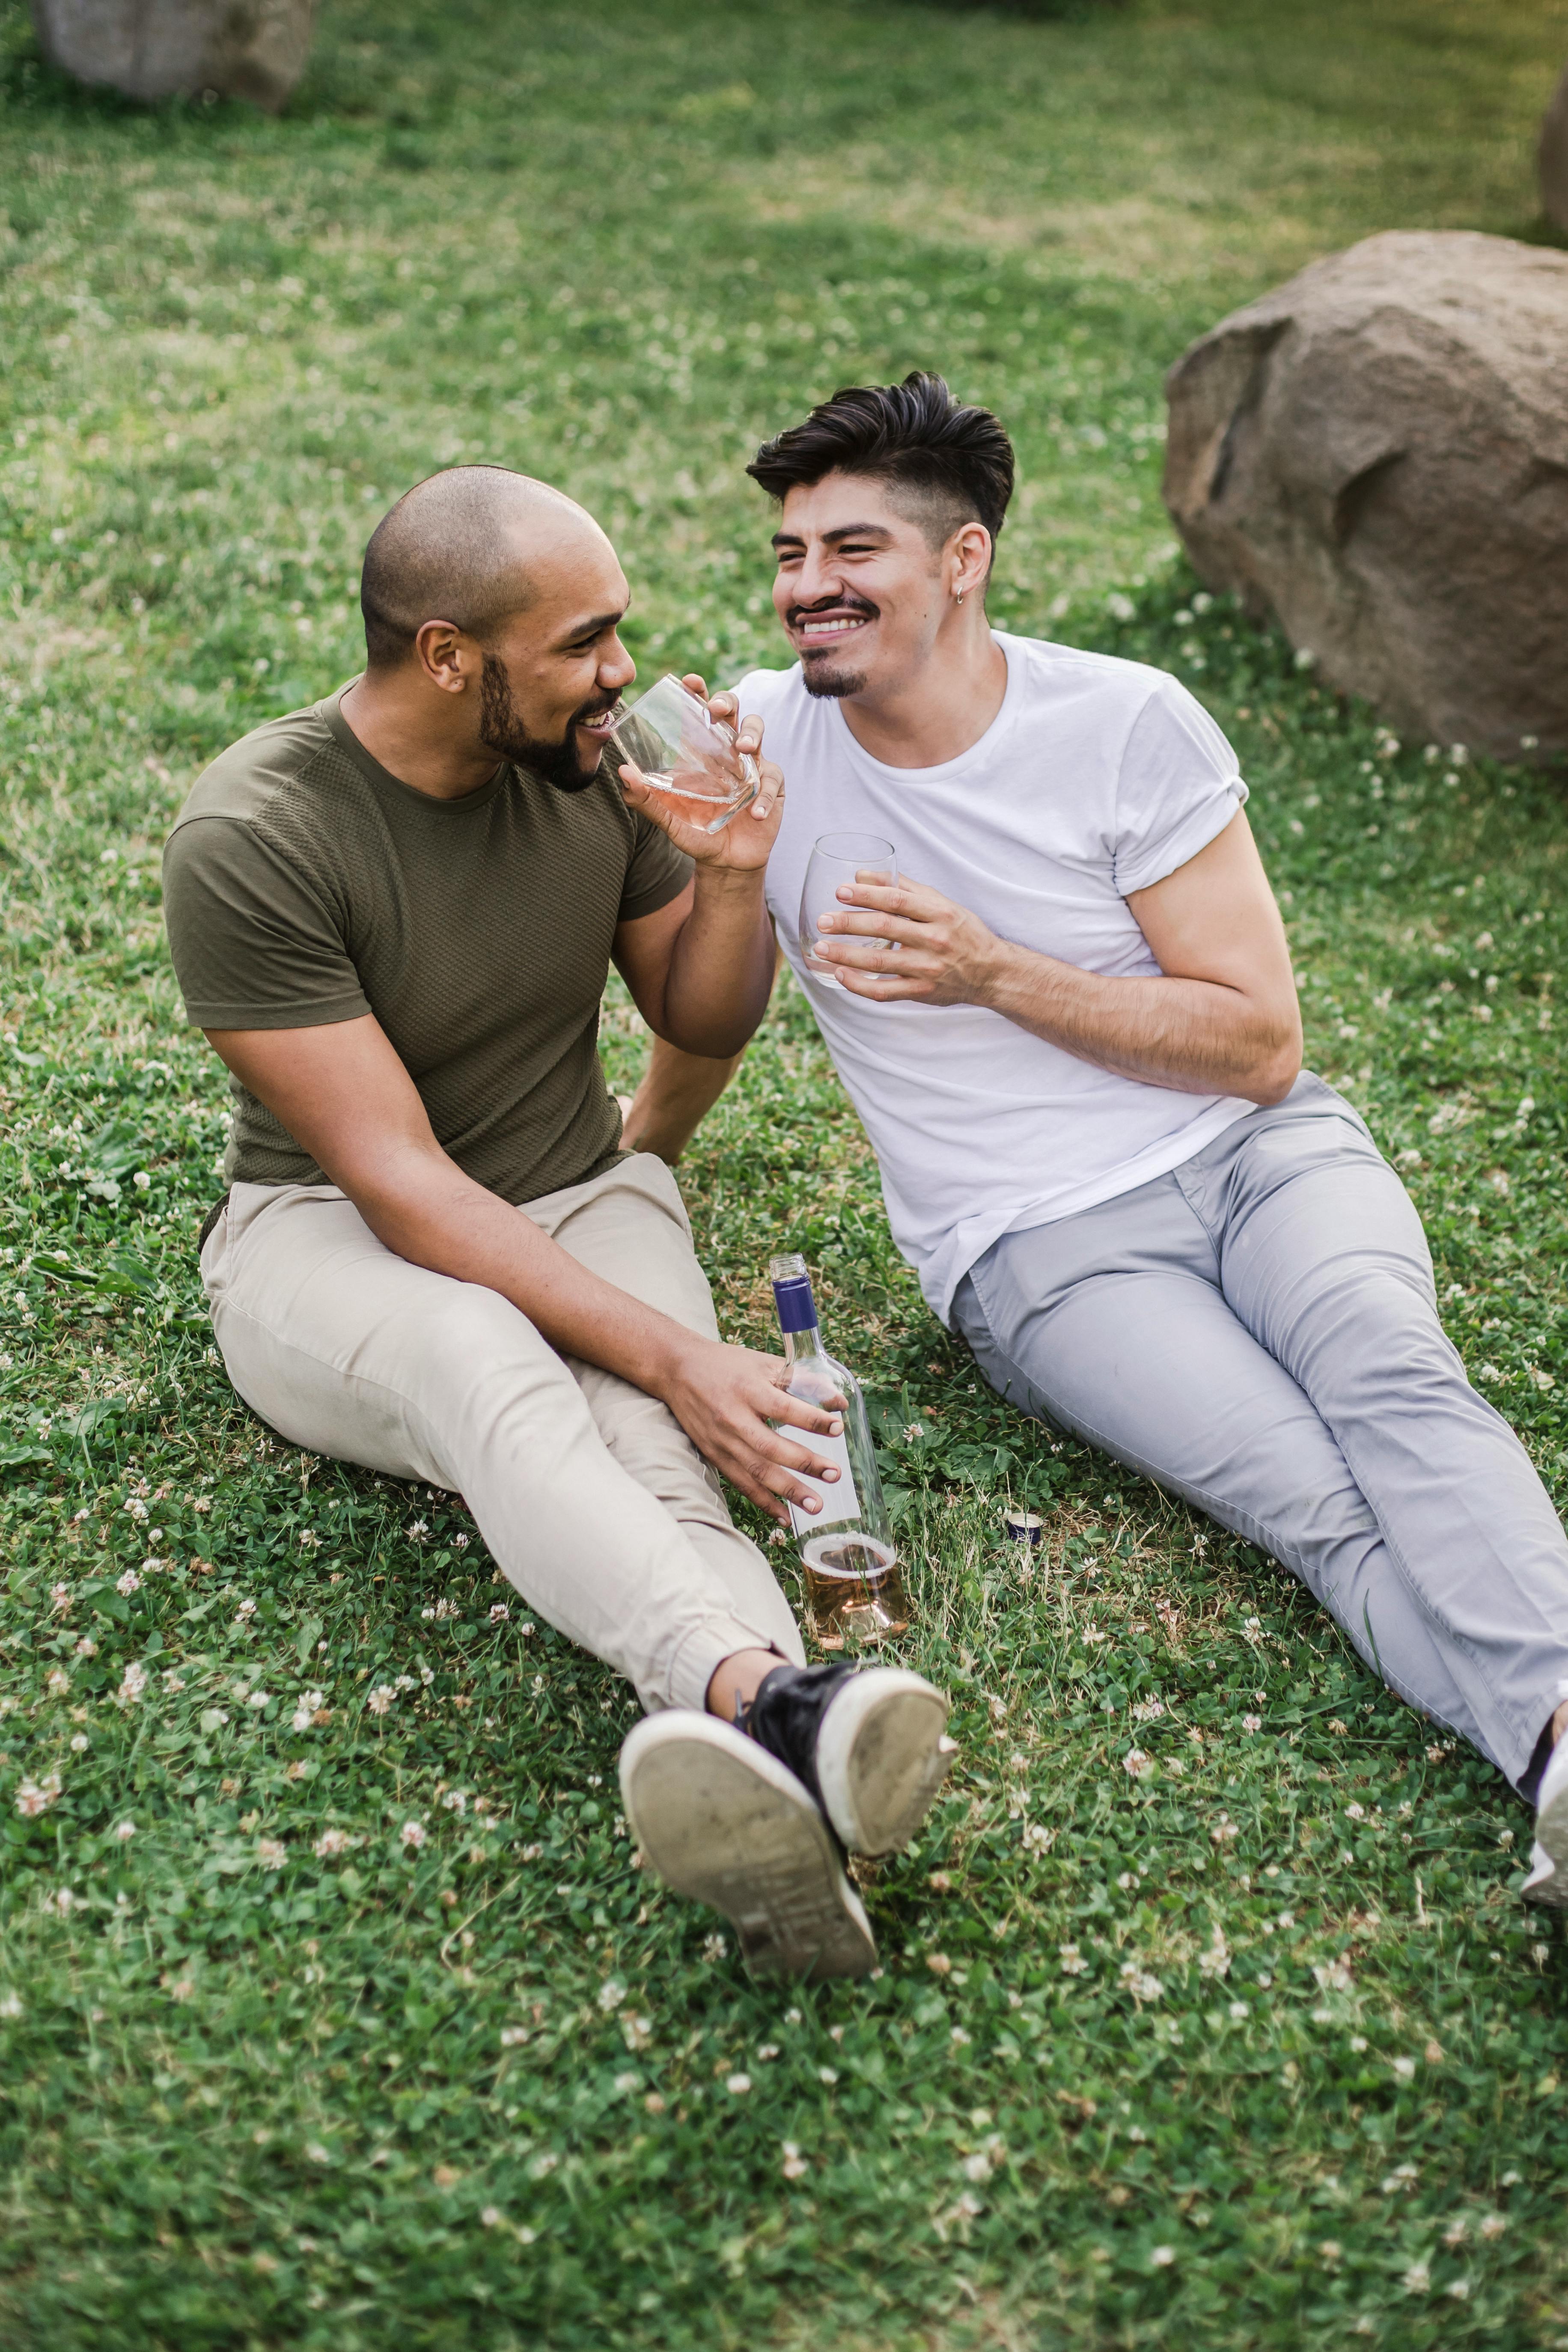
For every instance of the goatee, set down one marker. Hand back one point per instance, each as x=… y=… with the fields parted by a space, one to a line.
x=502 y=732
x=832 y=685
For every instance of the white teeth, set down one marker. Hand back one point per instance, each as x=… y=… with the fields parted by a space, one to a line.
x=828 y=628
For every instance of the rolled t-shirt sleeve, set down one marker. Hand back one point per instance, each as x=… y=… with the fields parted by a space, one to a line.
x=655 y=873
x=254 y=945
x=1178 y=789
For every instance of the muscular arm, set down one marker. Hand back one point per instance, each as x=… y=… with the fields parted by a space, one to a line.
x=1220 y=1018
x=346 y=1098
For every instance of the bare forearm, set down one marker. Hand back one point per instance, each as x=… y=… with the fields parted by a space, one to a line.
x=721 y=968
x=1195 y=1036
x=676 y=1092
x=420 y=1204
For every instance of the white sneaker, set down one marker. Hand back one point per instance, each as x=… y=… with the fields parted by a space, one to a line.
x=1548 y=1880
x=720 y=1820
x=869 y=1742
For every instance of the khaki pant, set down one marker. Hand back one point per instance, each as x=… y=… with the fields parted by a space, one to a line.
x=589 y=1493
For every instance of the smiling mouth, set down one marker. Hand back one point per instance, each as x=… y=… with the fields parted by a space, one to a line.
x=603 y=722
x=826 y=628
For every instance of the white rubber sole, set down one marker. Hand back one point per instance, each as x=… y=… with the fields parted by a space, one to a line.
x=722 y=1820
x=881 y=1756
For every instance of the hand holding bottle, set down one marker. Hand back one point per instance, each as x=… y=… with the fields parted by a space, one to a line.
x=728 y=1399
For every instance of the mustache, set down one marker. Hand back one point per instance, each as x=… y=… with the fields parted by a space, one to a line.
x=597 y=708
x=847 y=603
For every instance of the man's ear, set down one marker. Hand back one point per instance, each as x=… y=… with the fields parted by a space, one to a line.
x=447 y=656
x=968 y=559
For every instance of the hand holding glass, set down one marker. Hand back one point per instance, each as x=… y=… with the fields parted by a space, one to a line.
x=682 y=748
x=838 y=859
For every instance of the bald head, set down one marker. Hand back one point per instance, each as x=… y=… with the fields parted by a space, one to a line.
x=470 y=546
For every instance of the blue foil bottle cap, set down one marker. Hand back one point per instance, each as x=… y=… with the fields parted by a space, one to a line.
x=792 y=1294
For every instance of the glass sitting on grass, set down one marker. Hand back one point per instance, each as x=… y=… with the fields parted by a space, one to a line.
x=838 y=860
x=671 y=740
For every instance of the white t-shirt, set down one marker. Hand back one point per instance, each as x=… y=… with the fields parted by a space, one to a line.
x=1095 y=778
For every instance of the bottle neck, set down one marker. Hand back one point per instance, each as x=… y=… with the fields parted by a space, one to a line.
x=800 y=1346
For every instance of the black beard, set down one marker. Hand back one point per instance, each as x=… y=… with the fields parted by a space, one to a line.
x=501 y=730
x=834 y=684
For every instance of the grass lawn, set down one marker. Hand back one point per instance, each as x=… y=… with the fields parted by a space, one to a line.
x=333 y=2028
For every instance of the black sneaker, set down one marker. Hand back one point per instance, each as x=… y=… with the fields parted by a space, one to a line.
x=722 y=1819
x=867 y=1741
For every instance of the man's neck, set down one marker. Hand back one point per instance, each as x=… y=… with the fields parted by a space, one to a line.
x=394 y=722
x=943 y=709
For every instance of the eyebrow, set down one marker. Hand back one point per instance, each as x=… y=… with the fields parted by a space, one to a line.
x=593 y=628
x=844 y=530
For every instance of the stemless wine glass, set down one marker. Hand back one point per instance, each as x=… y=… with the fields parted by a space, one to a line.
x=671 y=735
x=838 y=859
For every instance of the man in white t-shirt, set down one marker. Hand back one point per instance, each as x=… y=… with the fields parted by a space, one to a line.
x=1070 y=1030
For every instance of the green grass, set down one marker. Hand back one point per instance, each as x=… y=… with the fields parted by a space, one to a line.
x=258 y=2093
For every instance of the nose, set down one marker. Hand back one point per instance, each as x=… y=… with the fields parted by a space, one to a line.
x=816 y=582
x=617 y=669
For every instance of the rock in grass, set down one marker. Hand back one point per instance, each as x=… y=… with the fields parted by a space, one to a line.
x=1377 y=453
x=1553 y=156
x=180 y=48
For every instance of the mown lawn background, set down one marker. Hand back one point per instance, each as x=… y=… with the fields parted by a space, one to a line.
x=322 y=2026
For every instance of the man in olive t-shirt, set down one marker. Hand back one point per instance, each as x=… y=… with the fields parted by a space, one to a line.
x=393 y=916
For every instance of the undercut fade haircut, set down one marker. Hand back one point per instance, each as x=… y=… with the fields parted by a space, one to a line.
x=444 y=553
x=951 y=464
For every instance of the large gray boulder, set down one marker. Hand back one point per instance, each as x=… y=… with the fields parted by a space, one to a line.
x=1377 y=453
x=180 y=48
x=1553 y=156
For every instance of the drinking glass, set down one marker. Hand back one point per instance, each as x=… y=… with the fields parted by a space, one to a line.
x=671 y=734
x=836 y=858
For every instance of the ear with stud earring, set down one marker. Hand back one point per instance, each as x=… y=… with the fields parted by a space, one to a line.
x=958 y=595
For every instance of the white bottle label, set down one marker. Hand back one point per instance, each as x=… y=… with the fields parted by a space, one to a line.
x=839 y=1500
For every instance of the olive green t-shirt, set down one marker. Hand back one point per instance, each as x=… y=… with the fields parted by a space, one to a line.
x=303 y=883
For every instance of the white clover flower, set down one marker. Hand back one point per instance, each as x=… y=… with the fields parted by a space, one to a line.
x=1238 y=2009
x=736 y=2085
x=456 y=1802
x=1073 y=1962
x=35 y=1797
x=380 y=1698
x=412 y=1835
x=87 y=1647
x=612 y=1992
x=714 y=1948
x=246 y=1610
x=498 y=1612
x=1162 y=2257
x=827 y=2074
x=511 y=2035
x=331 y=1843
x=132 y=1683
x=1139 y=1983
x=61 y=1596
x=128 y=1584
x=10 y=2006
x=78 y=1742
x=1148 y=1710
x=1417 y=2279
x=65 y=1901
x=490 y=2217
x=1215 y=1961
x=1136 y=1765
x=59 y=1682
x=123 y=1831
x=271 y=1854
x=259 y=1698
x=977 y=2167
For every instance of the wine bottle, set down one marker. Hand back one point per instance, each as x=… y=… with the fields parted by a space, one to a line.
x=847 y=1555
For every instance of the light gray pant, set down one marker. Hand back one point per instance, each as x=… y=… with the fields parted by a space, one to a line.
x=589 y=1493
x=1258 y=1332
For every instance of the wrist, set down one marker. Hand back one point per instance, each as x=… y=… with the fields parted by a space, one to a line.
x=1003 y=978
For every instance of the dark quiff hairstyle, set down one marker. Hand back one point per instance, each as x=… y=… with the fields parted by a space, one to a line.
x=955 y=463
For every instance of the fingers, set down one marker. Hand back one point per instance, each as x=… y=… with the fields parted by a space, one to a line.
x=851 y=923
x=770 y=788
x=695 y=685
